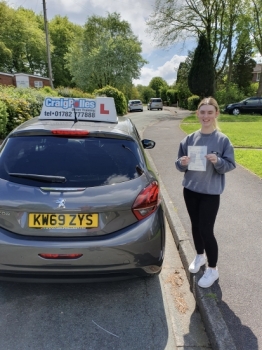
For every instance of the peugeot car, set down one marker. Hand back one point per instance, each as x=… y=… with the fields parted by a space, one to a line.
x=79 y=201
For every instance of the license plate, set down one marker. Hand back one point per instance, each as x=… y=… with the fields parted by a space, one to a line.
x=37 y=220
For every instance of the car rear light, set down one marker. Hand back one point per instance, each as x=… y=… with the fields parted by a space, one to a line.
x=60 y=256
x=70 y=132
x=147 y=201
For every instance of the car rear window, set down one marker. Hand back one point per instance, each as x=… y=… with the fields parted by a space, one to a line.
x=135 y=102
x=156 y=100
x=82 y=162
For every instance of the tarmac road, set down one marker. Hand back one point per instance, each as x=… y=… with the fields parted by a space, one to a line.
x=238 y=230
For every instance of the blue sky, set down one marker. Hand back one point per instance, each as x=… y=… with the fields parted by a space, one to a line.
x=162 y=62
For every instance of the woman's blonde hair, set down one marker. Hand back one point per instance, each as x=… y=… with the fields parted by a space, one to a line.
x=212 y=102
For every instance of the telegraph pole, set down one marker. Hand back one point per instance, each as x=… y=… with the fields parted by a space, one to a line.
x=48 y=46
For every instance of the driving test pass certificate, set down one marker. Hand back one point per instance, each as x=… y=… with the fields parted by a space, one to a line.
x=197 y=158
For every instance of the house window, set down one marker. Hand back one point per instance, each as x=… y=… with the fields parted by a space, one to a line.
x=258 y=77
x=38 y=83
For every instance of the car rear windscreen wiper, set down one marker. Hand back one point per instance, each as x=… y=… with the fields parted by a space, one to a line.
x=43 y=178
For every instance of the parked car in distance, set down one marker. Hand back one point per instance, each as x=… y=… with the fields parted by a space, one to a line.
x=247 y=106
x=78 y=200
x=135 y=105
x=155 y=103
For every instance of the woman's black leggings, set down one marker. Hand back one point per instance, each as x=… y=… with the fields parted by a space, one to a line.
x=202 y=209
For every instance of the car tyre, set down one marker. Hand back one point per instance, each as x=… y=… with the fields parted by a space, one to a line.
x=236 y=111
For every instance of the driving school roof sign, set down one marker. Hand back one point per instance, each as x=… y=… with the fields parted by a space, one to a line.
x=99 y=109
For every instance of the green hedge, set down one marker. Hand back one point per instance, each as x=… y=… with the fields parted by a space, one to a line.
x=193 y=102
x=73 y=93
x=119 y=97
x=3 y=119
x=21 y=104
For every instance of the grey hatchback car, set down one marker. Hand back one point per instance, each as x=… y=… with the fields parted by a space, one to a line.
x=79 y=201
x=155 y=103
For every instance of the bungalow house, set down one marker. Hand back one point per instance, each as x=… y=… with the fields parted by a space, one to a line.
x=23 y=80
x=257 y=72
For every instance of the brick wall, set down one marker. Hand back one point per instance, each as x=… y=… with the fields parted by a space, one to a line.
x=32 y=80
x=10 y=79
x=7 y=79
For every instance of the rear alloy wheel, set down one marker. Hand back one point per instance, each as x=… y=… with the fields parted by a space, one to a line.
x=236 y=111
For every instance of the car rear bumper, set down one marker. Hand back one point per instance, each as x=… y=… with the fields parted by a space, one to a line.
x=134 y=251
x=136 y=109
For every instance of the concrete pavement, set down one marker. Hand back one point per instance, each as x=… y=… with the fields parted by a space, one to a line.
x=234 y=320
x=186 y=329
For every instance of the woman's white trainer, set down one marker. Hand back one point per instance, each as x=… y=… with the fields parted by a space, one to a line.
x=199 y=261
x=209 y=277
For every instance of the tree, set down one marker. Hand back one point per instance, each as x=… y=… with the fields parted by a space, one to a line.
x=145 y=93
x=255 y=10
x=108 y=54
x=175 y=21
x=63 y=34
x=181 y=86
x=201 y=76
x=22 y=41
x=243 y=63
x=135 y=95
x=171 y=96
x=6 y=18
x=184 y=68
x=156 y=84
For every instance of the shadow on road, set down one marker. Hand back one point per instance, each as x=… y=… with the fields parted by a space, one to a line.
x=242 y=335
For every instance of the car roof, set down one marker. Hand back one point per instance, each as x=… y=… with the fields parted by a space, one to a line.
x=34 y=126
x=119 y=126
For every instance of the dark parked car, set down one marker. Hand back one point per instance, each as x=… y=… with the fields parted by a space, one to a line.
x=247 y=106
x=78 y=201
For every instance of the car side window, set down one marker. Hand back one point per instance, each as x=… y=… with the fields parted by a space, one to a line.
x=252 y=101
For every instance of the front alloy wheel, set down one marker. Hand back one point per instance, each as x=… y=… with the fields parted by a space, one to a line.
x=236 y=111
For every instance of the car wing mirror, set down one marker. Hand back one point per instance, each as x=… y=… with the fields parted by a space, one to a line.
x=148 y=144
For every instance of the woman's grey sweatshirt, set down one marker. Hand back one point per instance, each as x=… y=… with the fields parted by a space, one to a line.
x=211 y=181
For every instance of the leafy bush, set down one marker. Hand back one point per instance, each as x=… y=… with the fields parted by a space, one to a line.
x=119 y=97
x=18 y=110
x=228 y=95
x=182 y=95
x=3 y=119
x=163 y=93
x=171 y=96
x=22 y=104
x=252 y=90
x=72 y=92
x=193 y=102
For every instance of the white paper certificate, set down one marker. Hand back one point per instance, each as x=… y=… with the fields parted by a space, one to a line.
x=197 y=158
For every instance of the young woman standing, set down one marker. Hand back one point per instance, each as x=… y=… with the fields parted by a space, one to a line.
x=205 y=156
